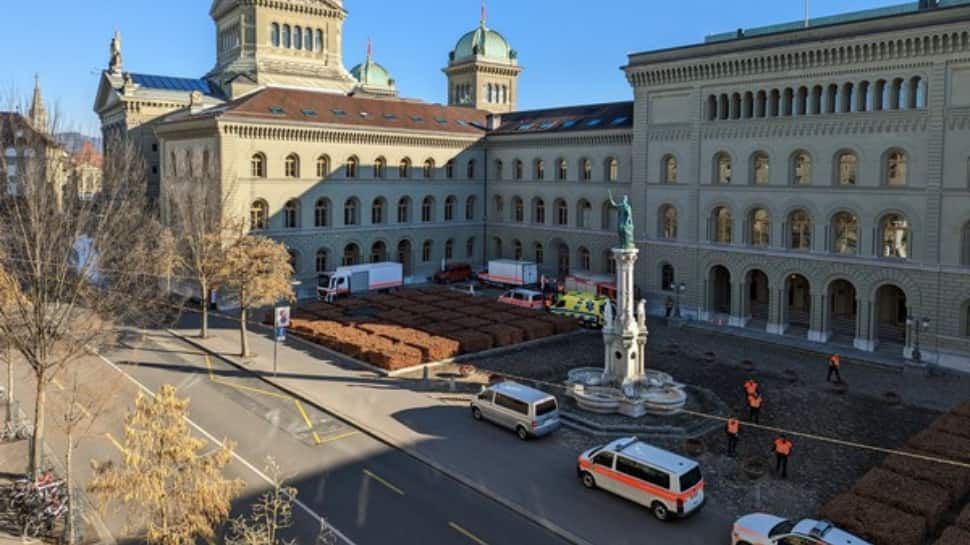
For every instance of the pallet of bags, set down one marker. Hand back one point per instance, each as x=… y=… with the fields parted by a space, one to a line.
x=562 y=324
x=875 y=521
x=942 y=444
x=906 y=494
x=953 y=536
x=394 y=316
x=443 y=328
x=953 y=424
x=954 y=479
x=534 y=329
x=963 y=521
x=472 y=341
x=503 y=335
x=962 y=410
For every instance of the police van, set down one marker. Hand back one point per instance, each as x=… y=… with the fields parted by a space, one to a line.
x=666 y=483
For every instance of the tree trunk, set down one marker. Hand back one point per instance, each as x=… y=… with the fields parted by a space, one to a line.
x=69 y=528
x=205 y=313
x=10 y=405
x=242 y=332
x=37 y=440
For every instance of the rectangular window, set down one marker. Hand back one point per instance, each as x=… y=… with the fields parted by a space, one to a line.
x=643 y=472
x=689 y=479
x=546 y=407
x=511 y=404
x=604 y=459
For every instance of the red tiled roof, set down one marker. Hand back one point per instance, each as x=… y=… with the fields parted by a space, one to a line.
x=274 y=104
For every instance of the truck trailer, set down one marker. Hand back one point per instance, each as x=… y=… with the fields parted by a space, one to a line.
x=360 y=279
x=510 y=273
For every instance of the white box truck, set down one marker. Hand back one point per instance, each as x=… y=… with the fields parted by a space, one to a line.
x=508 y=272
x=359 y=279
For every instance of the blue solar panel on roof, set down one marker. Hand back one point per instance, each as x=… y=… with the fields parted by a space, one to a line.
x=547 y=125
x=417 y=119
x=172 y=84
x=525 y=126
x=570 y=124
x=338 y=112
x=276 y=110
x=619 y=121
x=593 y=122
x=310 y=113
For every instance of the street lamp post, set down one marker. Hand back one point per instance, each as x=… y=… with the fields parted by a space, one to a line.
x=679 y=290
x=917 y=325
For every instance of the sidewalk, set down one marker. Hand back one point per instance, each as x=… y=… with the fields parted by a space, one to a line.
x=537 y=479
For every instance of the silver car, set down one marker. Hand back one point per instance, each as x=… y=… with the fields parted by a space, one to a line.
x=530 y=412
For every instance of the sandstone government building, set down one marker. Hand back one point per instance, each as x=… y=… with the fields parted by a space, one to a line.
x=811 y=180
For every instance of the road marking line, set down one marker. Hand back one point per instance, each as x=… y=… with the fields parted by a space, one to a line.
x=224 y=382
x=58 y=384
x=115 y=442
x=306 y=418
x=337 y=437
x=83 y=410
x=306 y=509
x=466 y=533
x=383 y=482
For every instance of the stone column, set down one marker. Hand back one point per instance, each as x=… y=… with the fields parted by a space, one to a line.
x=738 y=316
x=864 y=326
x=777 y=307
x=817 y=331
x=624 y=339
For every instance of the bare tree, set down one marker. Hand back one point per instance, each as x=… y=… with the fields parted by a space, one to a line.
x=82 y=267
x=271 y=513
x=173 y=489
x=198 y=213
x=258 y=270
x=9 y=293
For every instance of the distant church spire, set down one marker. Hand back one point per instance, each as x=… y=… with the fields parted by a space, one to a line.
x=370 y=49
x=38 y=112
x=115 y=62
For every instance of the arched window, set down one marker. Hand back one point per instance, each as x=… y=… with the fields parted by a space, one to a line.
x=323 y=166
x=470 y=247
x=351 y=212
x=378 y=252
x=321 y=213
x=292 y=165
x=518 y=210
x=538 y=211
x=848 y=168
x=612 y=170
x=799 y=230
x=404 y=169
x=291 y=214
x=540 y=253
x=801 y=167
x=760 y=227
x=896 y=168
x=585 y=263
x=449 y=249
x=274 y=34
x=760 y=168
x=499 y=170
x=450 y=203
x=586 y=169
x=562 y=212
x=428 y=170
x=894 y=234
x=499 y=207
x=308 y=39
x=667 y=279
x=518 y=169
x=286 y=37
x=722 y=168
x=318 y=40
x=377 y=211
x=584 y=214
x=517 y=250
x=609 y=262
x=298 y=37
x=322 y=261
x=668 y=222
x=351 y=168
x=608 y=217
x=257 y=166
x=450 y=169
x=470 y=171
x=351 y=255
x=562 y=170
x=470 y=204
x=845 y=233
x=258 y=215
x=540 y=170
x=404 y=210
x=427 y=210
x=380 y=168
x=669 y=169
x=426 y=251
x=722 y=224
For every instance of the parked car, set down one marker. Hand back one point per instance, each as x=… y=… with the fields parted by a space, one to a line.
x=764 y=529
x=530 y=412
x=587 y=308
x=524 y=298
x=454 y=272
x=666 y=483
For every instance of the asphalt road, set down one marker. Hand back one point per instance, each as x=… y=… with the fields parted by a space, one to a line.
x=372 y=493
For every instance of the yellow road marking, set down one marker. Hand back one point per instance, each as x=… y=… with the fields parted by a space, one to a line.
x=115 y=442
x=58 y=384
x=383 y=482
x=337 y=437
x=83 y=410
x=466 y=533
x=306 y=418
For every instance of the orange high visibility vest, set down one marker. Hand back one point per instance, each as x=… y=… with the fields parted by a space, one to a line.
x=733 y=426
x=755 y=401
x=783 y=446
x=835 y=360
x=751 y=387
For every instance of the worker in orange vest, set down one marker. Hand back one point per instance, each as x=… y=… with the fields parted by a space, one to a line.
x=750 y=387
x=754 y=407
x=783 y=447
x=732 y=429
x=835 y=361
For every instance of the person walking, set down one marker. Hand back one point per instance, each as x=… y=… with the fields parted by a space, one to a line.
x=732 y=429
x=669 y=305
x=835 y=362
x=783 y=447
x=750 y=387
x=755 y=401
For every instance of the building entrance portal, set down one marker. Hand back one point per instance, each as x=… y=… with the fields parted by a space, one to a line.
x=720 y=290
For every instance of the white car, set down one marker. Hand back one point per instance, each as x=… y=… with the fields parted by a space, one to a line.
x=763 y=529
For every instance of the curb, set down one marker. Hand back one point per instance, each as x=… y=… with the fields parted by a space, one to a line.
x=387 y=440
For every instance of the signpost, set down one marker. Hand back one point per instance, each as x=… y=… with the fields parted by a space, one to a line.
x=281 y=321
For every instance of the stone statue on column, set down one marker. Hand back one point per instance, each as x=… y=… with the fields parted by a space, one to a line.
x=624 y=222
x=608 y=314
x=115 y=63
x=642 y=313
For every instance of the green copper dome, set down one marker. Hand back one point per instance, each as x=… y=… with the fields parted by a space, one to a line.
x=370 y=73
x=483 y=42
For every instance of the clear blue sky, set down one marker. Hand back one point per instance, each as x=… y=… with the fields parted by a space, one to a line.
x=571 y=49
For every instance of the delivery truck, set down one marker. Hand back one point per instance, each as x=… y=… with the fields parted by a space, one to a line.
x=360 y=279
x=507 y=272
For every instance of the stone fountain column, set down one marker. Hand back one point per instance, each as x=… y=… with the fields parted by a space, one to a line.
x=625 y=337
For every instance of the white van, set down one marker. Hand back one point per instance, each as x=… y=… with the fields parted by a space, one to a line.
x=666 y=483
x=530 y=412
